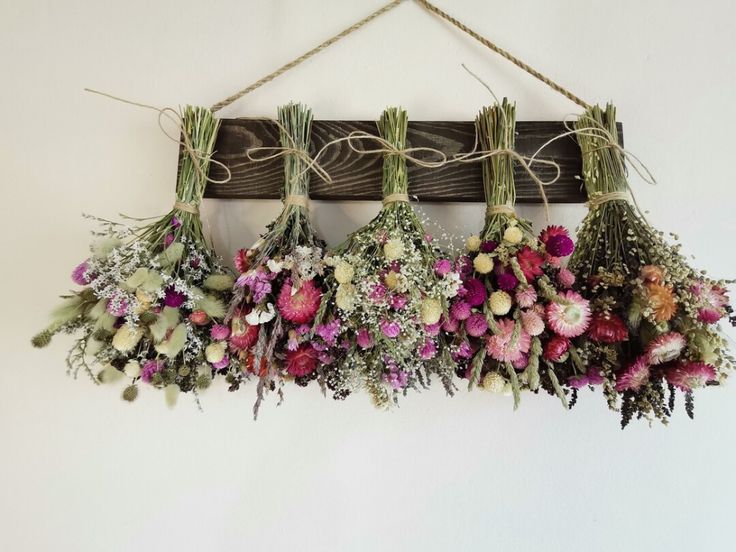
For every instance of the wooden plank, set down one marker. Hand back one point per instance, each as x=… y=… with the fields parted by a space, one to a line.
x=358 y=177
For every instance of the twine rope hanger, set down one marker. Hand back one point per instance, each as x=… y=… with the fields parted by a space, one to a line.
x=384 y=9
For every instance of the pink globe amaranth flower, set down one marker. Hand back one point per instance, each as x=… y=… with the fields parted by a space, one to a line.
x=397 y=379
x=559 y=246
x=532 y=323
x=364 y=339
x=433 y=330
x=390 y=328
x=442 y=267
x=607 y=328
x=571 y=316
x=151 y=367
x=476 y=325
x=635 y=376
x=329 y=332
x=299 y=307
x=462 y=351
x=526 y=297
x=81 y=275
x=118 y=304
x=224 y=362
x=428 y=350
x=665 y=348
x=507 y=281
x=688 y=375
x=521 y=362
x=173 y=298
x=219 y=332
x=460 y=310
x=503 y=347
x=566 y=278
x=530 y=262
x=378 y=293
x=464 y=265
x=488 y=246
x=450 y=325
x=592 y=377
x=303 y=361
x=475 y=292
x=556 y=348
x=398 y=302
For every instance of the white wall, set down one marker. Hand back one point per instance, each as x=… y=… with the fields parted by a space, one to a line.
x=82 y=471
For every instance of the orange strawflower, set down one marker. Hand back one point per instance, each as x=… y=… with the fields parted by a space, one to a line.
x=652 y=274
x=662 y=301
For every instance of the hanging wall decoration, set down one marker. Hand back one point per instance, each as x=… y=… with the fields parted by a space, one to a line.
x=279 y=290
x=516 y=313
x=153 y=296
x=653 y=331
x=388 y=290
x=390 y=309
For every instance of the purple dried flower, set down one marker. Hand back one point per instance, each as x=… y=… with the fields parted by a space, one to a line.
x=168 y=240
x=329 y=332
x=560 y=246
x=398 y=302
x=219 y=332
x=488 y=246
x=80 y=275
x=390 y=328
x=460 y=310
x=150 y=368
x=475 y=292
x=364 y=339
x=173 y=298
x=476 y=325
x=175 y=222
x=442 y=267
x=220 y=364
x=507 y=281
x=428 y=350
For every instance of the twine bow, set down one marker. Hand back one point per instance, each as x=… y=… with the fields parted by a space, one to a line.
x=186 y=142
x=293 y=149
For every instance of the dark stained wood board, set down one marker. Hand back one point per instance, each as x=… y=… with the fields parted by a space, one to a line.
x=358 y=176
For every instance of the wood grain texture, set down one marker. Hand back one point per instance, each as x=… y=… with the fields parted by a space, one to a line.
x=358 y=176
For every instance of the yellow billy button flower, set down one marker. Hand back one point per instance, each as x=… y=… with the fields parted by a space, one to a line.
x=215 y=352
x=513 y=234
x=393 y=249
x=493 y=382
x=472 y=244
x=391 y=280
x=345 y=297
x=499 y=302
x=431 y=311
x=483 y=263
x=344 y=272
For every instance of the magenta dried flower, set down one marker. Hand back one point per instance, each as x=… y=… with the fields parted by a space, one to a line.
x=475 y=292
x=173 y=298
x=80 y=274
x=390 y=328
x=220 y=332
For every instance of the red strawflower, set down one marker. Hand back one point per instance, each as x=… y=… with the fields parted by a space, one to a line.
x=299 y=307
x=607 y=328
x=552 y=231
x=303 y=361
x=242 y=335
x=556 y=348
x=530 y=262
x=687 y=376
x=242 y=260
